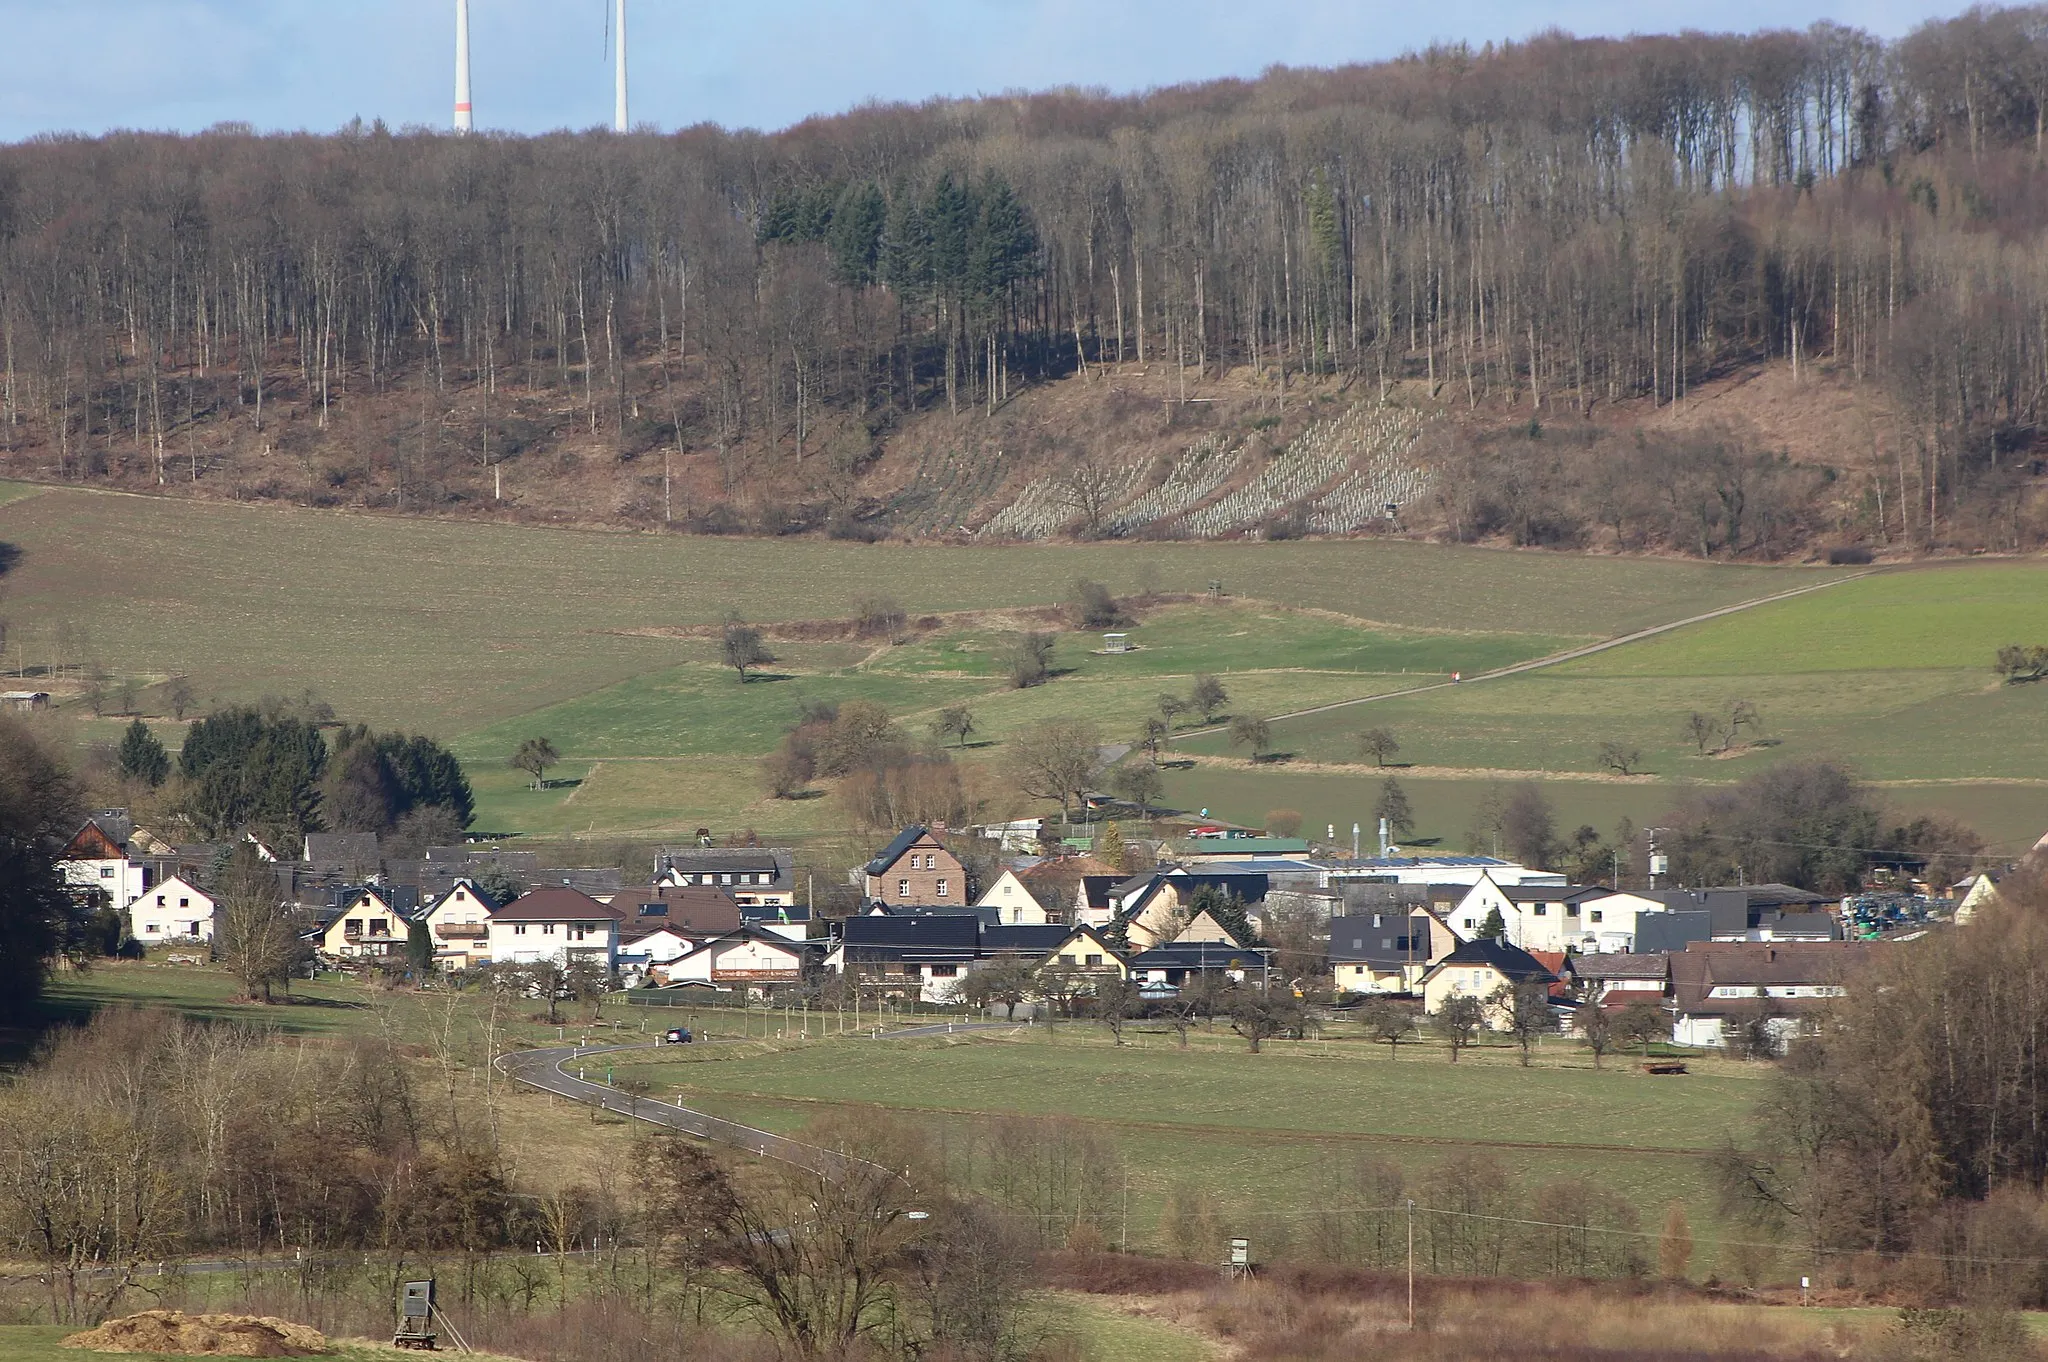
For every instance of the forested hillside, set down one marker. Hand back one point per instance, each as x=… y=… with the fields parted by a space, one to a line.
x=1490 y=289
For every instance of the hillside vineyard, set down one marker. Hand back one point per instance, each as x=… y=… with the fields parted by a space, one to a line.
x=1542 y=229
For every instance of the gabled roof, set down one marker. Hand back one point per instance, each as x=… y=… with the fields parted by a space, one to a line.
x=349 y=848
x=470 y=888
x=1033 y=939
x=699 y=907
x=96 y=842
x=554 y=903
x=1697 y=972
x=1553 y=893
x=1511 y=962
x=1098 y=888
x=1620 y=965
x=924 y=936
x=1399 y=939
x=1200 y=955
x=893 y=852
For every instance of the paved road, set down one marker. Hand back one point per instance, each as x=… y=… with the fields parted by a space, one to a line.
x=1553 y=660
x=548 y=1071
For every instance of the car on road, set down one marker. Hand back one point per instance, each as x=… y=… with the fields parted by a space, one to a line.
x=677 y=1035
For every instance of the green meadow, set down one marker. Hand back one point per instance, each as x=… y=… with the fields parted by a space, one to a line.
x=484 y=634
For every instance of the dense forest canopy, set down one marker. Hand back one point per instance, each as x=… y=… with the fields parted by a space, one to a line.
x=1547 y=226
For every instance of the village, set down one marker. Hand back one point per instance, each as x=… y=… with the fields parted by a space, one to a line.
x=1268 y=931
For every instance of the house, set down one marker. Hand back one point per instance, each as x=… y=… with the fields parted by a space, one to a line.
x=96 y=860
x=1718 y=985
x=916 y=868
x=1030 y=942
x=24 y=700
x=1086 y=951
x=750 y=876
x=646 y=953
x=1477 y=969
x=1013 y=901
x=1156 y=907
x=1751 y=912
x=700 y=910
x=1164 y=970
x=1386 y=952
x=172 y=911
x=931 y=951
x=1554 y=917
x=747 y=958
x=459 y=921
x=1980 y=891
x=367 y=924
x=354 y=855
x=1614 y=979
x=555 y=924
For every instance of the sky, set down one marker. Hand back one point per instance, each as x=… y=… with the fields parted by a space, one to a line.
x=93 y=65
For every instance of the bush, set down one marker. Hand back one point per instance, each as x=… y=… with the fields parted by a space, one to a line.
x=1849 y=555
x=1093 y=606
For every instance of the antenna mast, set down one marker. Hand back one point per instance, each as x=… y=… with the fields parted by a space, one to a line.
x=462 y=110
x=619 y=122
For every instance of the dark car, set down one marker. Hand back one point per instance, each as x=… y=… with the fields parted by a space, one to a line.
x=677 y=1035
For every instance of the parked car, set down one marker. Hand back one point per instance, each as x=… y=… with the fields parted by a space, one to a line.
x=677 y=1035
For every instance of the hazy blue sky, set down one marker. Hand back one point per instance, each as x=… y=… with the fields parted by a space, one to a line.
x=88 y=65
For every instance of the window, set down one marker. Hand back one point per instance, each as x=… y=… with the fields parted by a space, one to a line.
x=519 y=929
x=903 y=889
x=1386 y=943
x=1540 y=909
x=940 y=891
x=725 y=879
x=547 y=929
x=106 y=872
x=945 y=971
x=1066 y=959
x=1595 y=914
x=1470 y=924
x=1571 y=910
x=150 y=927
x=1094 y=959
x=184 y=903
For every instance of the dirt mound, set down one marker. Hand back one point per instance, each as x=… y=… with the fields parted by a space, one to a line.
x=174 y=1331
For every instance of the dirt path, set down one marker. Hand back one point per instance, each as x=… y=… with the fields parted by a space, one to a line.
x=1569 y=655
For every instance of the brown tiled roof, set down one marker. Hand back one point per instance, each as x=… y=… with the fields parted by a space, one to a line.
x=555 y=904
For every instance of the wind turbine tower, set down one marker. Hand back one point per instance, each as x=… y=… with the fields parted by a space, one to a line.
x=619 y=120
x=463 y=122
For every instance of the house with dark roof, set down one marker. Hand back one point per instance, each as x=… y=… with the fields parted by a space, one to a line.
x=1386 y=952
x=1086 y=951
x=1479 y=969
x=1013 y=901
x=97 y=866
x=355 y=855
x=366 y=924
x=459 y=921
x=930 y=952
x=557 y=924
x=1164 y=970
x=1754 y=912
x=1030 y=942
x=699 y=910
x=915 y=868
x=1614 y=979
x=1716 y=986
x=751 y=876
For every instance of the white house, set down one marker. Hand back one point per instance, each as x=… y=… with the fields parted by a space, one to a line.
x=460 y=923
x=647 y=952
x=1433 y=870
x=748 y=958
x=1553 y=917
x=557 y=924
x=1014 y=903
x=172 y=911
x=97 y=858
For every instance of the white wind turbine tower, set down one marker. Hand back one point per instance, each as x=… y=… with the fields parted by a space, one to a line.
x=463 y=121
x=619 y=121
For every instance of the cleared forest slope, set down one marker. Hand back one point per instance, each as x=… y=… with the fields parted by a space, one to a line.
x=1725 y=296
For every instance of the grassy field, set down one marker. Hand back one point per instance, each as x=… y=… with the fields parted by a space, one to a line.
x=40 y=1343
x=2010 y=815
x=486 y=634
x=1277 y=1131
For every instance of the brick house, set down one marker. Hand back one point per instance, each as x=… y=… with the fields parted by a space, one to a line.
x=916 y=868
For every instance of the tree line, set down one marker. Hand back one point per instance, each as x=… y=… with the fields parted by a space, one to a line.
x=1552 y=225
